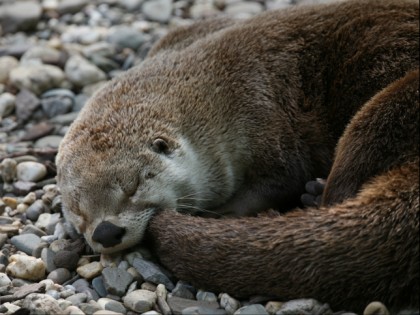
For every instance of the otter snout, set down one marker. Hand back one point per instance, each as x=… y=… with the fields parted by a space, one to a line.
x=108 y=234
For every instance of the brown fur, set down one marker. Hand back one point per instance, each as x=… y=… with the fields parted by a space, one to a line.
x=249 y=111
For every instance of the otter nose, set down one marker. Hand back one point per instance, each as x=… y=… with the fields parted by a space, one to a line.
x=108 y=234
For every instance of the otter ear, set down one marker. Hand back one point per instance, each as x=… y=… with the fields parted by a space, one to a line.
x=161 y=146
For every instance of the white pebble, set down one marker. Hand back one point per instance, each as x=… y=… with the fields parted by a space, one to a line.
x=26 y=267
x=31 y=171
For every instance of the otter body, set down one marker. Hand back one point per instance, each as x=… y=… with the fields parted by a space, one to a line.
x=235 y=117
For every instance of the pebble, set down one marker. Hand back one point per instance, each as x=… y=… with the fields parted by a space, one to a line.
x=125 y=36
x=73 y=310
x=112 y=305
x=376 y=308
x=184 y=290
x=19 y=16
x=178 y=304
x=38 y=303
x=26 y=242
x=7 y=63
x=151 y=272
x=90 y=270
x=253 y=309
x=206 y=296
x=7 y=104
x=26 y=104
x=77 y=299
x=8 y=170
x=34 y=210
x=26 y=267
x=140 y=300
x=99 y=286
x=81 y=72
x=116 y=280
x=37 y=77
x=230 y=304
x=4 y=279
x=273 y=306
x=58 y=103
x=31 y=171
x=89 y=308
x=59 y=275
x=303 y=306
x=42 y=54
x=158 y=10
x=66 y=259
x=48 y=142
x=201 y=310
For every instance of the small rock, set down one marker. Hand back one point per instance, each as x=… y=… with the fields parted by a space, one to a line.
x=41 y=304
x=201 y=310
x=47 y=219
x=27 y=289
x=140 y=300
x=206 y=296
x=253 y=309
x=66 y=259
x=4 y=279
x=112 y=305
x=77 y=299
x=310 y=306
x=151 y=272
x=73 y=310
x=47 y=256
x=37 y=131
x=36 y=77
x=158 y=10
x=7 y=104
x=244 y=8
x=56 y=105
x=22 y=188
x=26 y=242
x=178 y=304
x=71 y=6
x=116 y=280
x=273 y=306
x=26 y=104
x=44 y=54
x=99 y=286
x=8 y=170
x=81 y=72
x=19 y=16
x=31 y=171
x=10 y=202
x=59 y=275
x=376 y=308
x=26 y=267
x=32 y=229
x=34 y=211
x=230 y=304
x=89 y=308
x=7 y=63
x=184 y=290
x=90 y=270
x=125 y=36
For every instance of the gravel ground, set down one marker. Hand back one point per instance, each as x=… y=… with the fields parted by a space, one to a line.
x=53 y=55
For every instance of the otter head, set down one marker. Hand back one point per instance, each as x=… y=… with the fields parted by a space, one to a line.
x=121 y=161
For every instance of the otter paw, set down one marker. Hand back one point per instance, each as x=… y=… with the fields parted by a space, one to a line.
x=313 y=195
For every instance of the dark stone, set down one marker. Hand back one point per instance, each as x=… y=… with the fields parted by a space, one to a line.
x=152 y=273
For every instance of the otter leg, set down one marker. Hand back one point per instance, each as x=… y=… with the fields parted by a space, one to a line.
x=384 y=133
x=313 y=195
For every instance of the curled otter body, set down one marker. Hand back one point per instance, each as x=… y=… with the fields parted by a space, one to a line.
x=235 y=117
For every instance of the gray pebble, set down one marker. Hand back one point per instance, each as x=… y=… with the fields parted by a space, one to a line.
x=41 y=304
x=26 y=242
x=99 y=286
x=125 y=36
x=7 y=104
x=206 y=296
x=201 y=310
x=55 y=105
x=111 y=305
x=66 y=259
x=77 y=298
x=158 y=10
x=184 y=290
x=26 y=104
x=81 y=72
x=8 y=170
x=229 y=303
x=89 y=308
x=59 y=275
x=53 y=293
x=310 y=306
x=151 y=272
x=22 y=188
x=30 y=171
x=4 y=279
x=37 y=252
x=19 y=16
x=80 y=285
x=35 y=209
x=253 y=309
x=48 y=142
x=116 y=280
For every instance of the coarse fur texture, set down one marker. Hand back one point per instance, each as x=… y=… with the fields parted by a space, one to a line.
x=235 y=117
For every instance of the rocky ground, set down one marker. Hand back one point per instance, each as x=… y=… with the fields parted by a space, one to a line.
x=53 y=55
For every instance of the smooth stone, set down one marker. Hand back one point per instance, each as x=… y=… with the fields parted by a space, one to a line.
x=206 y=296
x=89 y=308
x=77 y=299
x=22 y=188
x=26 y=267
x=53 y=293
x=310 y=306
x=253 y=309
x=90 y=270
x=80 y=285
x=38 y=303
x=184 y=290
x=56 y=105
x=131 y=5
x=178 y=304
x=230 y=304
x=376 y=308
x=37 y=77
x=31 y=171
x=73 y=310
x=273 y=306
x=44 y=54
x=59 y=275
x=112 y=305
x=71 y=6
x=140 y=300
x=26 y=242
x=200 y=310
x=7 y=104
x=106 y=312
x=34 y=210
x=66 y=259
x=116 y=280
x=158 y=10
x=4 y=279
x=3 y=239
x=8 y=170
x=7 y=63
x=81 y=72
x=47 y=256
x=99 y=286
x=65 y=119
x=125 y=36
x=151 y=272
x=19 y=16
x=26 y=104
x=52 y=142
x=46 y=219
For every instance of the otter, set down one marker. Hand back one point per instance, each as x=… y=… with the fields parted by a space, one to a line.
x=233 y=117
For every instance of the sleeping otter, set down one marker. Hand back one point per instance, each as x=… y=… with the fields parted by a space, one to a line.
x=234 y=117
